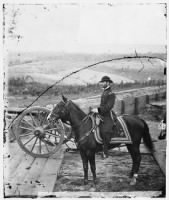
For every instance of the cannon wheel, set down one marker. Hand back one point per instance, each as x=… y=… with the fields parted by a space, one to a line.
x=36 y=136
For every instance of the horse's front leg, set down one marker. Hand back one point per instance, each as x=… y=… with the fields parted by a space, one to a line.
x=85 y=166
x=93 y=166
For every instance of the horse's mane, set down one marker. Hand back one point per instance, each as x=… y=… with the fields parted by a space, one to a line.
x=78 y=108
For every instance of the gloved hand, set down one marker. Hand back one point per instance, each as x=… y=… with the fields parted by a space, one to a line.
x=94 y=110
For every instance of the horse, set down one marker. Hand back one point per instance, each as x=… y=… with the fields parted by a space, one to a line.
x=82 y=127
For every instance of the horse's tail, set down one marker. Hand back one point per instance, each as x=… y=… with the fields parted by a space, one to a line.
x=147 y=137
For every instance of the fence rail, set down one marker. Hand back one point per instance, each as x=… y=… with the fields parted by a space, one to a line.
x=128 y=101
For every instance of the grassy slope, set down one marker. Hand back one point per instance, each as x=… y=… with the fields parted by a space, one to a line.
x=45 y=67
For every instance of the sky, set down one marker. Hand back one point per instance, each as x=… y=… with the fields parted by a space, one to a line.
x=87 y=29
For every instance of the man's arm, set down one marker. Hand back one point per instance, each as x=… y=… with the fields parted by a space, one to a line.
x=109 y=104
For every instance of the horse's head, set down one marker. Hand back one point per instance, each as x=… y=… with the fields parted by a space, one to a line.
x=60 y=111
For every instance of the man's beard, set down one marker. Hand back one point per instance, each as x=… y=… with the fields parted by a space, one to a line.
x=105 y=87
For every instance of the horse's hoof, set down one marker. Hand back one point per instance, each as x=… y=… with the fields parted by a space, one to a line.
x=133 y=181
x=85 y=182
x=95 y=181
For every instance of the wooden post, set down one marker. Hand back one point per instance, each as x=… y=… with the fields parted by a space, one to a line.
x=156 y=97
x=136 y=111
x=164 y=96
x=122 y=107
x=147 y=99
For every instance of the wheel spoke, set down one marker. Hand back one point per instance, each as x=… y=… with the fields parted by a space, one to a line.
x=52 y=129
x=45 y=145
x=49 y=141
x=29 y=140
x=38 y=118
x=34 y=144
x=24 y=121
x=25 y=128
x=40 y=146
x=55 y=138
x=27 y=134
x=33 y=119
x=44 y=118
x=41 y=118
x=54 y=135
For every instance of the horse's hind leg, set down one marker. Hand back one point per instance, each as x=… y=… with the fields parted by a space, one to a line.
x=85 y=166
x=136 y=158
x=93 y=166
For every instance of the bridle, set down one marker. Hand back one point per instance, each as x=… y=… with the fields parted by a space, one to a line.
x=53 y=114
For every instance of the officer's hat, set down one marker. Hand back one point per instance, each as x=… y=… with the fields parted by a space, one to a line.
x=106 y=79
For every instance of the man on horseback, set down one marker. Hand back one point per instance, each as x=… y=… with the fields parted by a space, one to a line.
x=106 y=106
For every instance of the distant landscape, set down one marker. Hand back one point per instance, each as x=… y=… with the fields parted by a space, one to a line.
x=31 y=73
x=48 y=68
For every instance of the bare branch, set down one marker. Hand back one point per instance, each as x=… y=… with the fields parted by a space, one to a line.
x=81 y=69
x=140 y=61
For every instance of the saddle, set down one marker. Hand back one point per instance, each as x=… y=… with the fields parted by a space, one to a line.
x=120 y=133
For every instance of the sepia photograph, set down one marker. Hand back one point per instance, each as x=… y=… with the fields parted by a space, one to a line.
x=84 y=99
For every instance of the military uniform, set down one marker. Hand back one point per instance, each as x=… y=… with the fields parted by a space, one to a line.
x=106 y=127
x=107 y=102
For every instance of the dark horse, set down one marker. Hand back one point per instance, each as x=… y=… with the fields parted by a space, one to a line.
x=88 y=146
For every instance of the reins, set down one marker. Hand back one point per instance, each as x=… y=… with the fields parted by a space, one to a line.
x=85 y=119
x=90 y=116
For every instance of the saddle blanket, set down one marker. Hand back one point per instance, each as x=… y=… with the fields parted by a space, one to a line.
x=120 y=133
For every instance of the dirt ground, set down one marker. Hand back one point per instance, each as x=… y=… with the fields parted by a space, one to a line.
x=112 y=174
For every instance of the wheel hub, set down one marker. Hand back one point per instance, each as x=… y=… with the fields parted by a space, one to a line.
x=39 y=132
